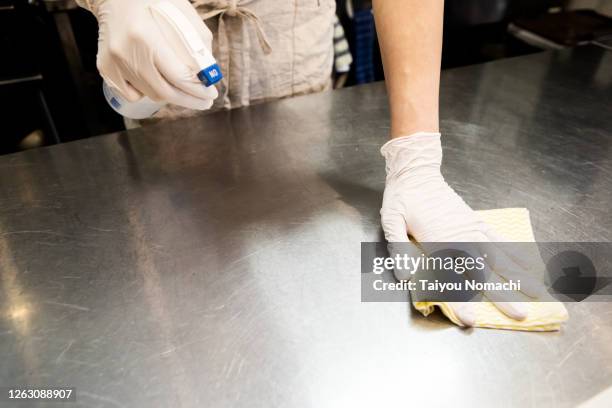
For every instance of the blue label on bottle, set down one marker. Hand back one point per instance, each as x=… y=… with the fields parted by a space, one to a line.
x=211 y=75
x=116 y=104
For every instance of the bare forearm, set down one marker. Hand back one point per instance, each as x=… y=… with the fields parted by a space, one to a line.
x=410 y=37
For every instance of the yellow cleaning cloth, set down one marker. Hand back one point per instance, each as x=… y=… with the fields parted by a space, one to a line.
x=514 y=224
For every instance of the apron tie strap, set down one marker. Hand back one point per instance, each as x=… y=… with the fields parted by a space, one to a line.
x=231 y=8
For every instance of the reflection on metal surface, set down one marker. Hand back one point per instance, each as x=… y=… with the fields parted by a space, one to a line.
x=16 y=305
x=19 y=313
x=16 y=310
x=215 y=261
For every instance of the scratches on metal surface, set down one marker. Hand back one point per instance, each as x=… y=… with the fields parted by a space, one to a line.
x=68 y=305
x=102 y=398
x=61 y=355
x=48 y=232
x=571 y=351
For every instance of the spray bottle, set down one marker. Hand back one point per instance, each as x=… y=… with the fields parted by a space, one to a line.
x=170 y=18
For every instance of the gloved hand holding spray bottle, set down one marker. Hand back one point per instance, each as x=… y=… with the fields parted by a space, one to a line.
x=142 y=65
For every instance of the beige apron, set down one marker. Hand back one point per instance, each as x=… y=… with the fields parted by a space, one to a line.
x=267 y=49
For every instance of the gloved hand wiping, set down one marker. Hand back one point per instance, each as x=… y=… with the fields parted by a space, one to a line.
x=136 y=58
x=419 y=202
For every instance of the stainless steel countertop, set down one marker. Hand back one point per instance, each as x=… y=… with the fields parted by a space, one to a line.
x=215 y=261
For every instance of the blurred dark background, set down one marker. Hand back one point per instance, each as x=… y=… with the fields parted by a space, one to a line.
x=50 y=91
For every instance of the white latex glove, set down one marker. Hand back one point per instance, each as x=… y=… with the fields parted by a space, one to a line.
x=419 y=202
x=136 y=58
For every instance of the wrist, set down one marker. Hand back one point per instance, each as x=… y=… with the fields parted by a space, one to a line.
x=403 y=127
x=411 y=115
x=401 y=131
